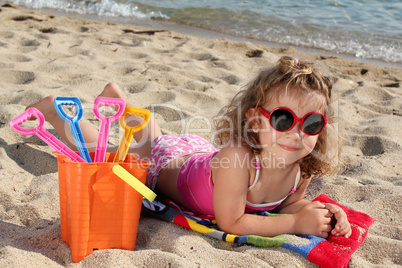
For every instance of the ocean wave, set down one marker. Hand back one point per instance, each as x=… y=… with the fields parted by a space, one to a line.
x=345 y=27
x=107 y=8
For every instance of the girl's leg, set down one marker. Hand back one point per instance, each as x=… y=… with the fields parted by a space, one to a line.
x=167 y=177
x=143 y=138
x=89 y=132
x=150 y=132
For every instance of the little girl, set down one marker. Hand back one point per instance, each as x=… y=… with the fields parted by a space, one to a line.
x=270 y=134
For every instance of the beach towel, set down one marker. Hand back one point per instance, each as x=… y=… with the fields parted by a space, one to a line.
x=333 y=252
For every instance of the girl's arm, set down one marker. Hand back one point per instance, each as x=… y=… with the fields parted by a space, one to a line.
x=231 y=177
x=296 y=202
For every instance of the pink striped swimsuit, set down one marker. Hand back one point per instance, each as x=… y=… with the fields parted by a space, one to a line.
x=169 y=147
x=194 y=181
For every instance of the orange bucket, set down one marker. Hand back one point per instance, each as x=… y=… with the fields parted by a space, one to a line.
x=98 y=210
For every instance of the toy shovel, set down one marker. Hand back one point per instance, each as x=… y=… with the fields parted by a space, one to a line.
x=42 y=133
x=73 y=123
x=134 y=182
x=129 y=131
x=106 y=121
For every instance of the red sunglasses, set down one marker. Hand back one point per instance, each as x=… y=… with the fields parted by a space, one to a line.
x=283 y=119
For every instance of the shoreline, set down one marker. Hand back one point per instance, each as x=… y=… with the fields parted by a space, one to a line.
x=207 y=33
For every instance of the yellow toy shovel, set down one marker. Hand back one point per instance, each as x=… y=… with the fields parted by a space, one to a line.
x=134 y=182
x=129 y=131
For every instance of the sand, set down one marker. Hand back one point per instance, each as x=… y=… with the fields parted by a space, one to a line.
x=180 y=77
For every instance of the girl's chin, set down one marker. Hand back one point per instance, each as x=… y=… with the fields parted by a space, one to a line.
x=278 y=161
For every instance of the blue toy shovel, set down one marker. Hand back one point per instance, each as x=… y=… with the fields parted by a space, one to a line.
x=73 y=122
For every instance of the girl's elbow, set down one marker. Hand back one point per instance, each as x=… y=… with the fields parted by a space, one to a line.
x=230 y=228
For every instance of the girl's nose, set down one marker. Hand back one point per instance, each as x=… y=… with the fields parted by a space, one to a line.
x=297 y=129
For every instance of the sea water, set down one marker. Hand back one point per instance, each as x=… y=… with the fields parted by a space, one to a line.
x=365 y=29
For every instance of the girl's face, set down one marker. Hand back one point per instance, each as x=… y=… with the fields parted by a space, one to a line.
x=284 y=148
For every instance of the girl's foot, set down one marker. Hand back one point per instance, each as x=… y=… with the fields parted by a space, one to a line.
x=152 y=130
x=112 y=90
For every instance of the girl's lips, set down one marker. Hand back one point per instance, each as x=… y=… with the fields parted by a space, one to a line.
x=288 y=148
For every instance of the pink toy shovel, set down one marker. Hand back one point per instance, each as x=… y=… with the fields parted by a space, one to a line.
x=100 y=152
x=42 y=133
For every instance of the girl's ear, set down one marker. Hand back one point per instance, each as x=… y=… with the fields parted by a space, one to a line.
x=254 y=120
x=252 y=112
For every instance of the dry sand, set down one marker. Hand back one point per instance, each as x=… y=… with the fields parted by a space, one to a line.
x=43 y=54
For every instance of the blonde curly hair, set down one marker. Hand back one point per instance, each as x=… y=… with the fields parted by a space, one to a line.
x=288 y=74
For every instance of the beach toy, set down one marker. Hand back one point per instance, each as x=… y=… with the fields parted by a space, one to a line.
x=105 y=123
x=42 y=133
x=98 y=210
x=73 y=123
x=134 y=182
x=129 y=131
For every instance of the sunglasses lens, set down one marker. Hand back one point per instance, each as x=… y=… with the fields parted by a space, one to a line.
x=281 y=119
x=313 y=124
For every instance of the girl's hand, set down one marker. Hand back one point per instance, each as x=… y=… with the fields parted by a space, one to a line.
x=313 y=219
x=342 y=226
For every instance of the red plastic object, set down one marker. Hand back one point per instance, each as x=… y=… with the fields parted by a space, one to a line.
x=98 y=210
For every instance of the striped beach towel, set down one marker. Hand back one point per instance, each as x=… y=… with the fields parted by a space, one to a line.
x=332 y=252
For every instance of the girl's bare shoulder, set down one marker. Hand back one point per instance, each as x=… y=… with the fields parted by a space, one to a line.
x=234 y=153
x=231 y=168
